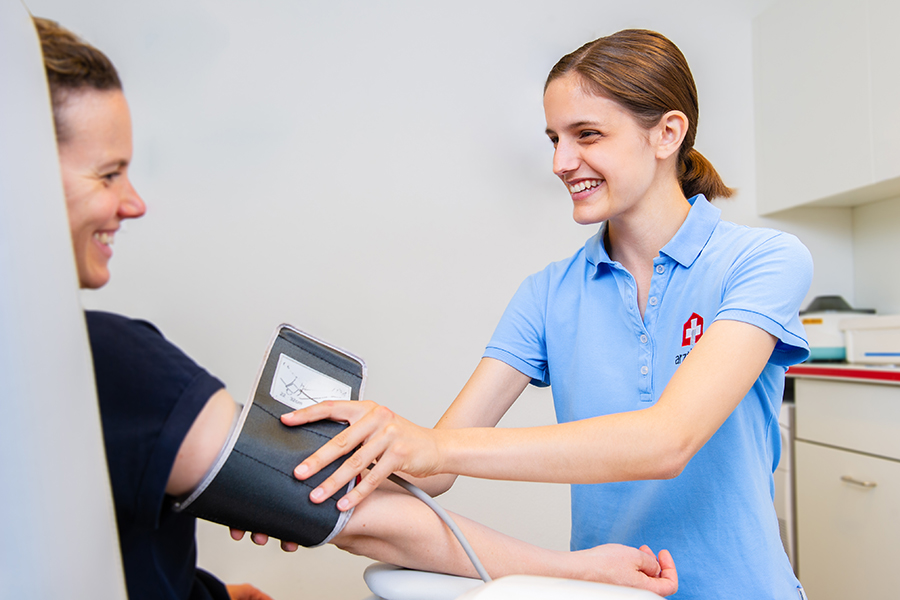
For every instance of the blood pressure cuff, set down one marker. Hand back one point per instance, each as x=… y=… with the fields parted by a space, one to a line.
x=251 y=485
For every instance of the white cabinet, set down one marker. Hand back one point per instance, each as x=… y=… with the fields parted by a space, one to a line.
x=847 y=460
x=846 y=530
x=827 y=103
x=885 y=63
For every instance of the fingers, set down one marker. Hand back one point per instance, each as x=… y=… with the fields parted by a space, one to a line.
x=667 y=566
x=665 y=583
x=355 y=465
x=245 y=591
x=648 y=565
x=336 y=410
x=364 y=418
x=374 y=450
x=373 y=434
x=260 y=539
x=657 y=575
x=368 y=484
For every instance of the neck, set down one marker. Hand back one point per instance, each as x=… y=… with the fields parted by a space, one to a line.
x=636 y=237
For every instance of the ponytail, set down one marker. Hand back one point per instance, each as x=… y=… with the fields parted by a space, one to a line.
x=698 y=176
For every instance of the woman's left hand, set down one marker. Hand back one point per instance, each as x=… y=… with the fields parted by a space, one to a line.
x=624 y=565
x=388 y=440
x=245 y=591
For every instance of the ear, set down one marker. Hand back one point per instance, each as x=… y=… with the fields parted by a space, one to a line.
x=670 y=132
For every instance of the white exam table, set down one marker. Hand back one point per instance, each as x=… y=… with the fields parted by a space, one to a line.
x=388 y=582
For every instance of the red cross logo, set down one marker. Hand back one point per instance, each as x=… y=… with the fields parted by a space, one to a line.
x=692 y=331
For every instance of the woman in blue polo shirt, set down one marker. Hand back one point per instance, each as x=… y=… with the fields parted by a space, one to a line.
x=666 y=339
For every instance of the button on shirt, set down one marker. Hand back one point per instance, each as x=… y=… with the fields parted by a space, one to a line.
x=576 y=324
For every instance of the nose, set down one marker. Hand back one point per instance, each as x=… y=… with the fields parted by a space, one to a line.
x=131 y=205
x=565 y=159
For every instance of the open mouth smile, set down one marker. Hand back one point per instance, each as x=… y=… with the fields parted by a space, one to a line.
x=105 y=237
x=586 y=184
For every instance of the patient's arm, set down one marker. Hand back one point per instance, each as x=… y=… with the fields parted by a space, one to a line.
x=202 y=443
x=399 y=529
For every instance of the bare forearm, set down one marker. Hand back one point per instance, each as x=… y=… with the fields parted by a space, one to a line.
x=637 y=445
x=618 y=447
x=401 y=530
x=653 y=443
x=398 y=529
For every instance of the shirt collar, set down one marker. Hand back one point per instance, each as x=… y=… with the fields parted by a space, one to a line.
x=691 y=237
x=685 y=245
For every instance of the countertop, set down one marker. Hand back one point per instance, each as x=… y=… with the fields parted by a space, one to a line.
x=847 y=372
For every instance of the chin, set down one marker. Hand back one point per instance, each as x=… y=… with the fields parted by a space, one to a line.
x=93 y=281
x=586 y=219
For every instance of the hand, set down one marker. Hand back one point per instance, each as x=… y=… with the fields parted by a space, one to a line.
x=388 y=440
x=261 y=539
x=623 y=565
x=245 y=591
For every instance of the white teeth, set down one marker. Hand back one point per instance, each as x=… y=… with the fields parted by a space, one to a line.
x=583 y=185
x=104 y=238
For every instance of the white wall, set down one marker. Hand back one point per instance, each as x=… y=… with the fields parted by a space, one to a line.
x=376 y=174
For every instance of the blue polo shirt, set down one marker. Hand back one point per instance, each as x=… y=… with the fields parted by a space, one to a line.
x=577 y=324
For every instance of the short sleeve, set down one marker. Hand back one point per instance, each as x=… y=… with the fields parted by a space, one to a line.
x=150 y=393
x=766 y=287
x=519 y=339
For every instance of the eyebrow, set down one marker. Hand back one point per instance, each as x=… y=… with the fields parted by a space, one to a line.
x=576 y=125
x=113 y=164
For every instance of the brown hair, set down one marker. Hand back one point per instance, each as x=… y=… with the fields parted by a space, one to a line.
x=72 y=65
x=645 y=73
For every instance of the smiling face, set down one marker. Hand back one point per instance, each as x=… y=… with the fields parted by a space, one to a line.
x=94 y=155
x=607 y=160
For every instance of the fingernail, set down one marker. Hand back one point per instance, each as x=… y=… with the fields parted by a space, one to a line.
x=301 y=470
x=343 y=504
x=317 y=494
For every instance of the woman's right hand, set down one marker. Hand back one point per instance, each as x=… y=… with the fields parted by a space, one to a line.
x=376 y=435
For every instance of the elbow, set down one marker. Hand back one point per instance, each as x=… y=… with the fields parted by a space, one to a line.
x=442 y=484
x=670 y=445
x=358 y=545
x=672 y=461
x=436 y=484
x=669 y=470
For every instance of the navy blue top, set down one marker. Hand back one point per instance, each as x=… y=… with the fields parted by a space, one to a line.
x=150 y=392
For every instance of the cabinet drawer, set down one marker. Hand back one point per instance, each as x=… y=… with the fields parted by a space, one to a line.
x=864 y=417
x=846 y=533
